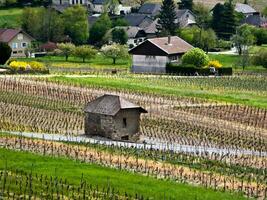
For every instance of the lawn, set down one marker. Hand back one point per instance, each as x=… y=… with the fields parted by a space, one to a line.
x=234 y=62
x=10 y=17
x=243 y=90
x=98 y=63
x=101 y=176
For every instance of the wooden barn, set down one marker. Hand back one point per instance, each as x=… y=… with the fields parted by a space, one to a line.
x=153 y=55
x=113 y=117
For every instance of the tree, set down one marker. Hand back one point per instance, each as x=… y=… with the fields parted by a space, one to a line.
x=111 y=6
x=67 y=49
x=186 y=4
x=43 y=24
x=115 y=51
x=206 y=40
x=243 y=38
x=85 y=52
x=228 y=20
x=99 y=29
x=260 y=35
x=119 y=36
x=119 y=22
x=196 y=57
x=216 y=22
x=5 y=52
x=76 y=24
x=260 y=58
x=167 y=17
x=203 y=17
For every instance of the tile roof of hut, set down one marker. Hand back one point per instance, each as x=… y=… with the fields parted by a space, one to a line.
x=111 y=105
x=169 y=45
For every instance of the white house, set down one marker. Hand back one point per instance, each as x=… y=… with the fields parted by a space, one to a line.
x=17 y=39
x=153 y=55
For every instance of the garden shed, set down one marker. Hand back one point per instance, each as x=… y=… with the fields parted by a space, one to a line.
x=113 y=117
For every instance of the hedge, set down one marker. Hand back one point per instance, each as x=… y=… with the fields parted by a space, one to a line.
x=191 y=71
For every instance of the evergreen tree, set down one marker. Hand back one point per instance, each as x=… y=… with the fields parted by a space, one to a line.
x=216 y=23
x=167 y=17
x=186 y=4
x=228 y=21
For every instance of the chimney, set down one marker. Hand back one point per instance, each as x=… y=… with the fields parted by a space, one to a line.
x=169 y=39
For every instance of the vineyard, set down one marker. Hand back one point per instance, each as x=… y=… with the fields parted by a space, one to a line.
x=55 y=106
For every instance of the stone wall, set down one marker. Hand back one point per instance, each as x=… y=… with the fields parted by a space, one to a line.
x=124 y=125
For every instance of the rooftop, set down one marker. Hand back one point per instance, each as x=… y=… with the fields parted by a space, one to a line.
x=244 y=8
x=110 y=105
x=150 y=9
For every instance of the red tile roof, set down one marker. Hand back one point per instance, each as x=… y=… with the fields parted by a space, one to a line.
x=176 y=45
x=6 y=35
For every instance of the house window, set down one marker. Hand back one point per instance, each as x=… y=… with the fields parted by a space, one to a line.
x=135 y=41
x=14 y=45
x=24 y=44
x=173 y=58
x=140 y=40
x=15 y=52
x=124 y=122
x=187 y=16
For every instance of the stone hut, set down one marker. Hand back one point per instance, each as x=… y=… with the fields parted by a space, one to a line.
x=113 y=117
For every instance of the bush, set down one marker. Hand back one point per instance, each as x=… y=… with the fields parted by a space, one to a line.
x=223 y=44
x=19 y=66
x=196 y=57
x=260 y=58
x=214 y=63
x=191 y=71
x=5 y=52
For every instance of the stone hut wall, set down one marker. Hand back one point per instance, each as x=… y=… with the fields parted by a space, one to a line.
x=123 y=126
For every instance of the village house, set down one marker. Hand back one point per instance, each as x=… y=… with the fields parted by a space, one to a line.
x=185 y=18
x=153 y=55
x=245 y=9
x=98 y=6
x=150 y=9
x=134 y=34
x=113 y=117
x=17 y=39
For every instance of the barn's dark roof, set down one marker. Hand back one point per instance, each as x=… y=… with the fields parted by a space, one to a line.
x=150 y=9
x=176 y=45
x=111 y=105
x=6 y=35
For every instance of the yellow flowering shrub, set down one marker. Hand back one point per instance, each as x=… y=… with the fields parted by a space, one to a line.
x=214 y=63
x=23 y=66
x=18 y=65
x=37 y=66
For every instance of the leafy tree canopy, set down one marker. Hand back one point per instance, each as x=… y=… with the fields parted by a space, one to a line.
x=196 y=57
x=76 y=24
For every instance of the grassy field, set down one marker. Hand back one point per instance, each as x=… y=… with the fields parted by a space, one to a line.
x=234 y=62
x=99 y=62
x=242 y=90
x=96 y=175
x=10 y=17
